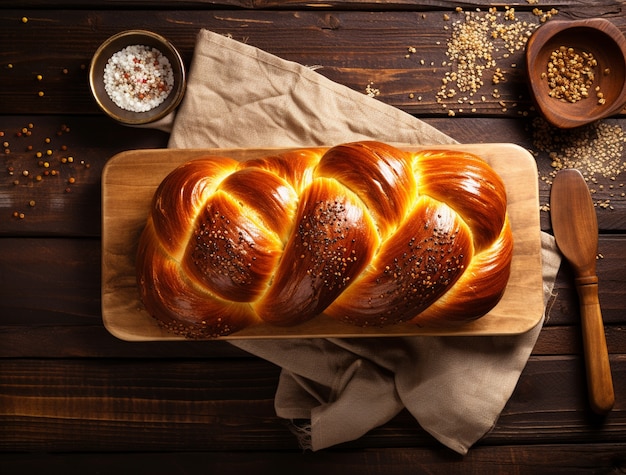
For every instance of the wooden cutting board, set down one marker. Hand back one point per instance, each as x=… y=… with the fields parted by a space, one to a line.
x=130 y=179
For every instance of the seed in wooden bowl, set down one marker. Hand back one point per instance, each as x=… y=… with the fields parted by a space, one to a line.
x=570 y=74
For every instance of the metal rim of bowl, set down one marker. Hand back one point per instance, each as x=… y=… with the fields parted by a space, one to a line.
x=137 y=118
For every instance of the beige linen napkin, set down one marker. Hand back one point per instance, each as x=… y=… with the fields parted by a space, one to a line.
x=455 y=387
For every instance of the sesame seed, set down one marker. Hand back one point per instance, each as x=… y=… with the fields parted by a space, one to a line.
x=473 y=50
x=596 y=150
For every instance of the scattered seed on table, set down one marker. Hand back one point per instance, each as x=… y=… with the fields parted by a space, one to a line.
x=596 y=150
x=475 y=45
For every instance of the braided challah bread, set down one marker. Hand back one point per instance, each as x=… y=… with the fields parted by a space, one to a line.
x=363 y=232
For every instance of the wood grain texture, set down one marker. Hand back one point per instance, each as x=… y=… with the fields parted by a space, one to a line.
x=576 y=233
x=93 y=140
x=75 y=399
x=56 y=281
x=195 y=404
x=525 y=459
x=322 y=38
x=602 y=6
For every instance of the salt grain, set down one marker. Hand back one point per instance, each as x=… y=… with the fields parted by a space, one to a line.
x=138 y=78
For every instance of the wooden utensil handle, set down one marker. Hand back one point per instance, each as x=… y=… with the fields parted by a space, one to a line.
x=599 y=380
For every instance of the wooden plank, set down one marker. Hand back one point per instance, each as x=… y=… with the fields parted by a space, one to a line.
x=355 y=48
x=52 y=168
x=216 y=405
x=57 y=282
x=412 y=5
x=209 y=402
x=93 y=341
x=91 y=141
x=612 y=275
x=486 y=460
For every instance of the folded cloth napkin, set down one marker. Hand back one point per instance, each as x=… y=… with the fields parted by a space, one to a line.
x=455 y=387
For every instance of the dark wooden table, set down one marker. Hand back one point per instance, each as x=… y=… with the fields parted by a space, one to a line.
x=74 y=399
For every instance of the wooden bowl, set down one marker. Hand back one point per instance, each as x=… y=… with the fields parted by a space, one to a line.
x=607 y=45
x=116 y=43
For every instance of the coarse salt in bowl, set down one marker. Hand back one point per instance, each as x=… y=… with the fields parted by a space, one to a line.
x=137 y=77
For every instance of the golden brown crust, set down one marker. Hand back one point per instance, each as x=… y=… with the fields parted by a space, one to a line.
x=469 y=186
x=364 y=232
x=178 y=304
x=379 y=174
x=333 y=241
x=181 y=194
x=230 y=253
x=295 y=167
x=413 y=268
x=478 y=290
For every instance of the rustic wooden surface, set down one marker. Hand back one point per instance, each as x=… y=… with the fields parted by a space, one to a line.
x=74 y=399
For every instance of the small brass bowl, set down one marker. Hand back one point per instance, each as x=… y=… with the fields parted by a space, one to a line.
x=118 y=42
x=607 y=45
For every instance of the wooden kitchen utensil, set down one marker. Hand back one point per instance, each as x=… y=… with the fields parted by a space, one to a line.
x=575 y=227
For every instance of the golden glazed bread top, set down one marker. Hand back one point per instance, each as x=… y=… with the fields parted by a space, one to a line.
x=363 y=232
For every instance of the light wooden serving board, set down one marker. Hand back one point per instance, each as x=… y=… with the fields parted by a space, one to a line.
x=130 y=179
